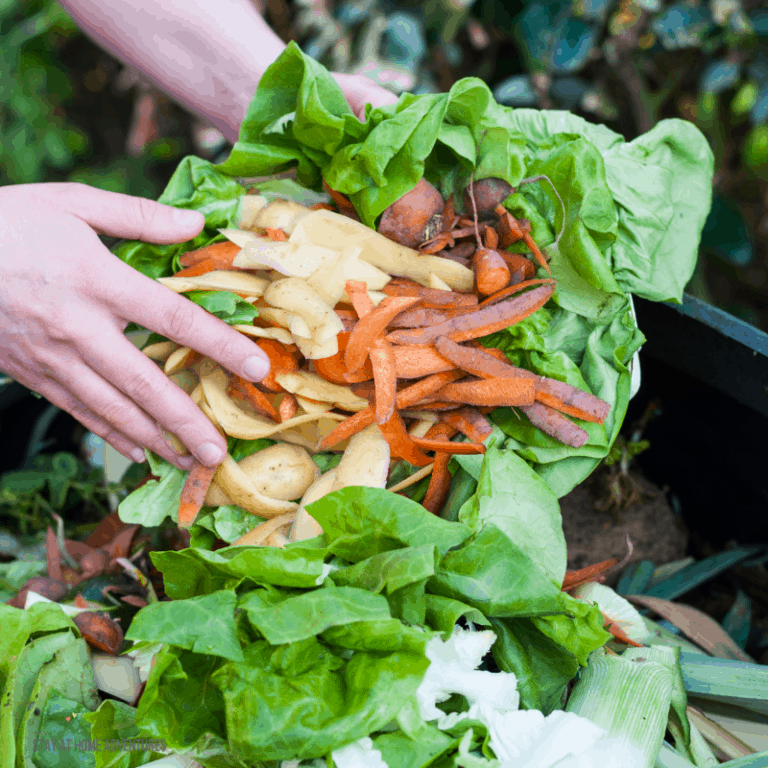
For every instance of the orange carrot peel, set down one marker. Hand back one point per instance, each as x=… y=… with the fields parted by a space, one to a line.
x=400 y=442
x=495 y=392
x=193 y=493
x=371 y=326
x=575 y=579
x=358 y=295
x=481 y=322
x=384 y=379
x=288 y=407
x=255 y=397
x=222 y=254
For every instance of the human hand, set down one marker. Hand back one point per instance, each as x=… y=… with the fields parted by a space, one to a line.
x=65 y=302
x=360 y=90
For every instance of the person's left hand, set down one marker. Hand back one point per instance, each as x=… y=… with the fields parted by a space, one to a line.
x=361 y=90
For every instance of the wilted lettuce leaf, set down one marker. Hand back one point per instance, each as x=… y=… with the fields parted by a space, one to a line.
x=542 y=666
x=193 y=572
x=491 y=573
x=311 y=613
x=581 y=631
x=444 y=612
x=204 y=624
x=66 y=679
x=518 y=502
x=317 y=702
x=389 y=571
x=179 y=704
x=24 y=666
x=150 y=504
x=361 y=522
x=117 y=720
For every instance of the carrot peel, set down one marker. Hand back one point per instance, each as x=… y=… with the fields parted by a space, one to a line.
x=193 y=494
x=371 y=326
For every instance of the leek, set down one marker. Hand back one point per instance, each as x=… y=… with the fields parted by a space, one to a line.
x=629 y=698
x=678 y=722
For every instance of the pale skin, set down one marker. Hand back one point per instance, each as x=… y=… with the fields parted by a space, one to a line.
x=65 y=300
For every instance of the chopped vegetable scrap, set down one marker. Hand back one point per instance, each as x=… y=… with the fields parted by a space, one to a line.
x=357 y=348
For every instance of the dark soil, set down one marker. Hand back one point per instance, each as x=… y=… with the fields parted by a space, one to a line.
x=656 y=532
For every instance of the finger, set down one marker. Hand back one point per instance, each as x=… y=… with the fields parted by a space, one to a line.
x=118 y=215
x=140 y=381
x=59 y=396
x=360 y=90
x=149 y=304
x=112 y=407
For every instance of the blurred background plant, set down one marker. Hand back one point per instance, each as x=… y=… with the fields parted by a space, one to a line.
x=69 y=111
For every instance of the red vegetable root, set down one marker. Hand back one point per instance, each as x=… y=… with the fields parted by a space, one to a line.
x=406 y=220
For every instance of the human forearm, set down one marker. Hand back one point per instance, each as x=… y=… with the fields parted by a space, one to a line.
x=209 y=57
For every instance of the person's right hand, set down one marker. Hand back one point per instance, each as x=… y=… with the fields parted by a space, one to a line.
x=65 y=301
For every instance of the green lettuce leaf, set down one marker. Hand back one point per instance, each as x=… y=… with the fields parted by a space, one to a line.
x=443 y=613
x=542 y=666
x=313 y=702
x=156 y=499
x=491 y=573
x=580 y=631
x=116 y=720
x=362 y=522
x=518 y=502
x=67 y=679
x=225 y=305
x=204 y=624
x=24 y=666
x=389 y=571
x=307 y=615
x=179 y=703
x=662 y=192
x=195 y=572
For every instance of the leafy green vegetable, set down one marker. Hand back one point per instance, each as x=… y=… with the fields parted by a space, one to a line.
x=204 y=624
x=518 y=502
x=179 y=704
x=227 y=306
x=362 y=522
x=156 y=499
x=117 y=720
x=491 y=573
x=228 y=522
x=194 y=572
x=443 y=613
x=307 y=615
x=542 y=666
x=25 y=666
x=390 y=571
x=66 y=678
x=306 y=708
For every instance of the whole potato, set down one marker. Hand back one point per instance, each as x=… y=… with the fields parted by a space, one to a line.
x=282 y=471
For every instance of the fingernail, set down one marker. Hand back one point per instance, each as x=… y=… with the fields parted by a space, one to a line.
x=256 y=368
x=210 y=454
x=138 y=456
x=187 y=218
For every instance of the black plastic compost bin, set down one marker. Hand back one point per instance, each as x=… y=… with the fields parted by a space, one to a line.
x=705 y=370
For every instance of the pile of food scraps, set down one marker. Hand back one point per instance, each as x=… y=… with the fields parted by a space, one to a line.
x=353 y=321
x=444 y=297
